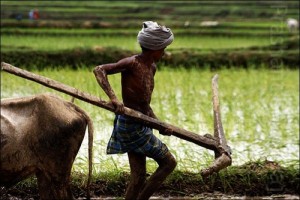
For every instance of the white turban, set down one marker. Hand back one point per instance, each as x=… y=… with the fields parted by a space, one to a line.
x=155 y=37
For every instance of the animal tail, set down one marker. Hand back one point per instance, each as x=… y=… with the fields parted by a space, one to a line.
x=90 y=147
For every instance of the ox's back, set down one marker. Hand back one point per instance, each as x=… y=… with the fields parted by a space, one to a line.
x=39 y=134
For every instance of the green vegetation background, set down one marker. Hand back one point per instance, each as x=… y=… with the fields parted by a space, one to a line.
x=249 y=34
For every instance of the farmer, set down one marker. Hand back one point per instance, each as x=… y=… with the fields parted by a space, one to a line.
x=137 y=79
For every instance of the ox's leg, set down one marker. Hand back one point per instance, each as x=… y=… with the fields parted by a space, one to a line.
x=54 y=187
x=137 y=175
x=166 y=166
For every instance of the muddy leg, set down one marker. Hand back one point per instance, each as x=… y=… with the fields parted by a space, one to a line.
x=51 y=188
x=137 y=175
x=166 y=166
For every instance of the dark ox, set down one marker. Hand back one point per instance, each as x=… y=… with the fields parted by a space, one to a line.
x=42 y=135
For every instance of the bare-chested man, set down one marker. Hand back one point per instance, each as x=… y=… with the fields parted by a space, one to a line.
x=137 y=78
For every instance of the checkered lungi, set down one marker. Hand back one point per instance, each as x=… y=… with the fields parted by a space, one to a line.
x=131 y=136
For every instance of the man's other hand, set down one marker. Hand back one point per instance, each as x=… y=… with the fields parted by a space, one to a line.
x=167 y=132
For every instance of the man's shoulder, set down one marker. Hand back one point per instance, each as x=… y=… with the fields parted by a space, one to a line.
x=128 y=61
x=130 y=58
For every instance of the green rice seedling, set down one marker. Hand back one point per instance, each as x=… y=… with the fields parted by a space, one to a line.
x=50 y=43
x=259 y=109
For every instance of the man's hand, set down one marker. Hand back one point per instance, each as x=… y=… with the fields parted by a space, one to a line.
x=167 y=132
x=119 y=106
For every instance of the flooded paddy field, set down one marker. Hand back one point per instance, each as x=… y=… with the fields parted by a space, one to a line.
x=259 y=108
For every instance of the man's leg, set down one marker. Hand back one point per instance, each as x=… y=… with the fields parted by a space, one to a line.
x=166 y=166
x=137 y=175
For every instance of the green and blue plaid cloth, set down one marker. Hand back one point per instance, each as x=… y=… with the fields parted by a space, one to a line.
x=131 y=136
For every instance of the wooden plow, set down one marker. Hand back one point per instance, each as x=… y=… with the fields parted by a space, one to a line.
x=216 y=143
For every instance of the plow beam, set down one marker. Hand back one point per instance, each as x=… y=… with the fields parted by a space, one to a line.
x=217 y=143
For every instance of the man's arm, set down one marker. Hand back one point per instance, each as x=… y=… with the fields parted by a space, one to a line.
x=101 y=73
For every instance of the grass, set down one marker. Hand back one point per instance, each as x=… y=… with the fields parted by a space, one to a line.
x=259 y=111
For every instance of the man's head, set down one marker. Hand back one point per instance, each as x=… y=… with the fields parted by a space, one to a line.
x=154 y=37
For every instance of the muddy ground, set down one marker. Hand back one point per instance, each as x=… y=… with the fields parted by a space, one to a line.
x=205 y=196
x=254 y=180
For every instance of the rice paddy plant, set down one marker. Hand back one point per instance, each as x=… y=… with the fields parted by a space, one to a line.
x=231 y=29
x=259 y=109
x=50 y=43
x=54 y=43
